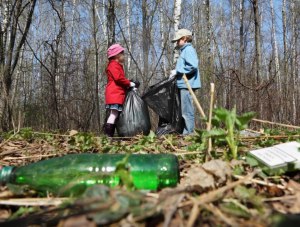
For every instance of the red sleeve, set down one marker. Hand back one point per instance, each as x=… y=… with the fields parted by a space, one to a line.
x=117 y=72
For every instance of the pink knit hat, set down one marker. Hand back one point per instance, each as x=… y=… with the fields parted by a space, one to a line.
x=114 y=49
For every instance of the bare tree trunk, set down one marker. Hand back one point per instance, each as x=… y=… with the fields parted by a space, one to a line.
x=276 y=56
x=9 y=57
x=285 y=57
x=242 y=44
x=232 y=89
x=209 y=65
x=257 y=40
x=111 y=22
x=232 y=31
x=95 y=31
x=104 y=28
x=177 y=14
x=284 y=37
x=146 y=38
x=162 y=37
x=275 y=48
x=257 y=53
x=293 y=61
x=128 y=22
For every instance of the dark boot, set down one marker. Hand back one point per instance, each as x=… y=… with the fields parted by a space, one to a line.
x=109 y=129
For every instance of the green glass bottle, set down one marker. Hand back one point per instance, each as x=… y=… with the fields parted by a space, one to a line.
x=72 y=174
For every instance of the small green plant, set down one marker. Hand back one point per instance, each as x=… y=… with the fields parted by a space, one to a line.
x=25 y=134
x=82 y=141
x=226 y=125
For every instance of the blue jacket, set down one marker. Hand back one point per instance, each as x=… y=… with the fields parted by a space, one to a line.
x=187 y=63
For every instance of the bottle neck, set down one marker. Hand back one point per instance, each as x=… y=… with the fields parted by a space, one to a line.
x=5 y=173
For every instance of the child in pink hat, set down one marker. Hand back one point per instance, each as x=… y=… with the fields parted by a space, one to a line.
x=116 y=87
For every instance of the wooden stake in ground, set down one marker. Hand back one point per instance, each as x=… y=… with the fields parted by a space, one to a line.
x=194 y=96
x=211 y=106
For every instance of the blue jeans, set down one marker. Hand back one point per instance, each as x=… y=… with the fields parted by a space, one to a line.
x=187 y=109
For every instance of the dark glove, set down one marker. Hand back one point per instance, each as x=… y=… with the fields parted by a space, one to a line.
x=137 y=84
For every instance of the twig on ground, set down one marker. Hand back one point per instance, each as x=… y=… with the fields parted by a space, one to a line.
x=194 y=214
x=281 y=198
x=275 y=123
x=250 y=181
x=251 y=138
x=33 y=156
x=171 y=212
x=216 y=194
x=216 y=211
x=188 y=153
x=34 y=201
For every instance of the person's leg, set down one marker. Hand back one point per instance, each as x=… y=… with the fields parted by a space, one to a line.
x=110 y=125
x=187 y=110
x=112 y=116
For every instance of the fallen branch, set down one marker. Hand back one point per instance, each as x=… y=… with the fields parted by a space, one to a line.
x=34 y=201
x=269 y=137
x=275 y=123
x=188 y=153
x=172 y=210
x=33 y=156
x=212 y=196
x=216 y=211
x=250 y=181
x=281 y=198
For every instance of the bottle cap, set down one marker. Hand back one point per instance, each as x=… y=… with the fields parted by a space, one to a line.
x=5 y=172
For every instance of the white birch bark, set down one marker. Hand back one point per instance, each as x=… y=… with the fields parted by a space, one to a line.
x=102 y=22
x=294 y=56
x=284 y=37
x=275 y=47
x=177 y=14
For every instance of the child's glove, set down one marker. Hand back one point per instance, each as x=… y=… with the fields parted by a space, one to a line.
x=137 y=84
x=133 y=86
x=173 y=73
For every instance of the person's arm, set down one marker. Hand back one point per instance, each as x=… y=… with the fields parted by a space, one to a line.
x=190 y=62
x=119 y=77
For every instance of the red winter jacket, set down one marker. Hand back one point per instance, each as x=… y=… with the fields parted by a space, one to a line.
x=117 y=83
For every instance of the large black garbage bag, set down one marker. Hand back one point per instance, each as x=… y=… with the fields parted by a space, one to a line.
x=164 y=99
x=134 y=118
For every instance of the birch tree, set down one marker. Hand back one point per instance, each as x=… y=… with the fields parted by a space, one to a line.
x=177 y=14
x=96 y=46
x=284 y=25
x=275 y=50
x=293 y=60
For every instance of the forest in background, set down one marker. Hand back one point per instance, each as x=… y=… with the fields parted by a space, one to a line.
x=53 y=56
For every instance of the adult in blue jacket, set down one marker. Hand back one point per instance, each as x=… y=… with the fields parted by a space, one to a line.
x=187 y=64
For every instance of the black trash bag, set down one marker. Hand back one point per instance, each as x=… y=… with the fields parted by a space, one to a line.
x=134 y=118
x=164 y=99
